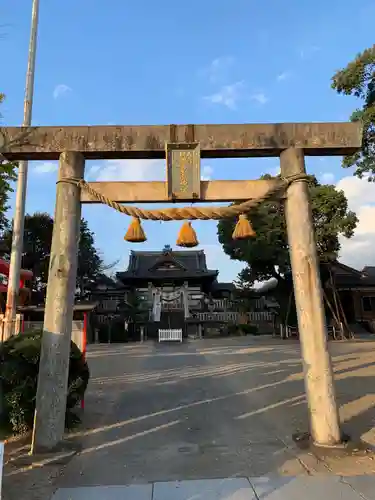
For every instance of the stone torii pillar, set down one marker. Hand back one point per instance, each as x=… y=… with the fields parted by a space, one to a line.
x=49 y=421
x=324 y=417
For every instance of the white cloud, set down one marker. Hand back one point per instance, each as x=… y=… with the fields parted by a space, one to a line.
x=260 y=98
x=135 y=170
x=45 y=167
x=307 y=52
x=327 y=178
x=274 y=171
x=358 y=191
x=358 y=251
x=128 y=170
x=218 y=68
x=283 y=76
x=207 y=172
x=61 y=90
x=228 y=95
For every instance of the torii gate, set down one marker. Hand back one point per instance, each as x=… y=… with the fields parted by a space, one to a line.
x=72 y=145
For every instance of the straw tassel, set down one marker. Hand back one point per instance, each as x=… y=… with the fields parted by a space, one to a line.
x=187 y=236
x=135 y=233
x=243 y=229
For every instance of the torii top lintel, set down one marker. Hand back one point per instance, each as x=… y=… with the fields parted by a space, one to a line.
x=148 y=141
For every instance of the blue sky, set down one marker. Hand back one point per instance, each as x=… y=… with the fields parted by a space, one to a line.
x=185 y=62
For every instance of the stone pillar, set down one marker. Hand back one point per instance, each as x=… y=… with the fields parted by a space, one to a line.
x=324 y=417
x=200 y=330
x=150 y=287
x=49 y=423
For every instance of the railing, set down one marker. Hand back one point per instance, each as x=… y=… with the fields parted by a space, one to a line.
x=172 y=305
x=287 y=332
x=194 y=304
x=253 y=316
x=108 y=304
x=16 y=325
x=170 y=335
x=218 y=316
x=223 y=304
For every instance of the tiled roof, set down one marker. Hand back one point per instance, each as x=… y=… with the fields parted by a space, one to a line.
x=369 y=270
x=346 y=276
x=104 y=281
x=186 y=263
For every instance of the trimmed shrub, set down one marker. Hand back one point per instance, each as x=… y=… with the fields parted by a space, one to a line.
x=249 y=329
x=245 y=329
x=19 y=366
x=230 y=329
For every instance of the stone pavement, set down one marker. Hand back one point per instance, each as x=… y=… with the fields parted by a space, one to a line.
x=263 y=488
x=221 y=408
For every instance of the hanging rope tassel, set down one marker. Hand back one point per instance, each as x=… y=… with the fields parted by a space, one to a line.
x=187 y=236
x=243 y=229
x=135 y=233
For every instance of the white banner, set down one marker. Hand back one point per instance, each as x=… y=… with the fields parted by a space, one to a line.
x=156 y=306
x=186 y=304
x=159 y=296
x=171 y=296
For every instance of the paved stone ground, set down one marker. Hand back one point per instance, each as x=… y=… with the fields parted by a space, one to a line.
x=204 y=409
x=281 y=488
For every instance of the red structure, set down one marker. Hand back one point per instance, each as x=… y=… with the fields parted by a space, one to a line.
x=25 y=278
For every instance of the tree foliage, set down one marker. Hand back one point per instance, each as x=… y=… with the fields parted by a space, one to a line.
x=267 y=255
x=37 y=247
x=133 y=309
x=19 y=366
x=358 y=80
x=7 y=176
x=90 y=263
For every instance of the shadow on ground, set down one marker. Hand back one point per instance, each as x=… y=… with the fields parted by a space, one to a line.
x=210 y=409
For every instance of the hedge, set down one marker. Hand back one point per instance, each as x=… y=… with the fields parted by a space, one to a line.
x=19 y=366
x=245 y=329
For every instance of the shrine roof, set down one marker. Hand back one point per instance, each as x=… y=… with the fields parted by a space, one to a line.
x=167 y=264
x=348 y=277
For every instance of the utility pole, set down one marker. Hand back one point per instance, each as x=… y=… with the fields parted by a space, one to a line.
x=19 y=212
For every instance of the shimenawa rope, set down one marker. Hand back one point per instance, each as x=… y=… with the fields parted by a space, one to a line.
x=186 y=213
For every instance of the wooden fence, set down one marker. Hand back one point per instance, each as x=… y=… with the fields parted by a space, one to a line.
x=170 y=335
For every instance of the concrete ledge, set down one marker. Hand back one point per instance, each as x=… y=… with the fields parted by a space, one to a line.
x=238 y=488
x=59 y=456
x=347 y=446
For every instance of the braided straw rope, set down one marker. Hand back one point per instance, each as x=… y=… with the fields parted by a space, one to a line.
x=186 y=213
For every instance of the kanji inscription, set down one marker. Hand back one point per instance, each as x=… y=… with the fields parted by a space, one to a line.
x=183 y=171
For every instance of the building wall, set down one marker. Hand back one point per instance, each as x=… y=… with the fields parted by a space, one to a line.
x=109 y=300
x=77 y=330
x=360 y=313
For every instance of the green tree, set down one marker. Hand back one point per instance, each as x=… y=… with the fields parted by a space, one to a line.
x=267 y=254
x=7 y=175
x=133 y=309
x=90 y=263
x=37 y=248
x=358 y=80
